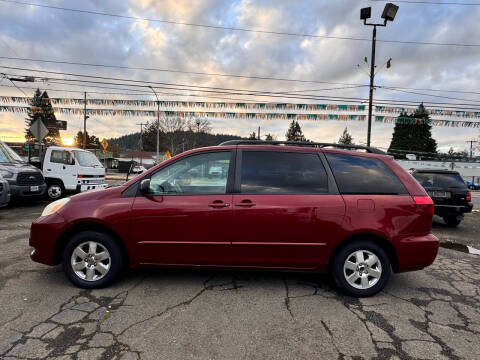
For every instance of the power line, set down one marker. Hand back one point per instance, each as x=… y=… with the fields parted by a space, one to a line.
x=423 y=94
x=218 y=27
x=175 y=71
x=232 y=75
x=230 y=91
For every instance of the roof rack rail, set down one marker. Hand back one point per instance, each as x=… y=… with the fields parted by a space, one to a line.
x=368 y=149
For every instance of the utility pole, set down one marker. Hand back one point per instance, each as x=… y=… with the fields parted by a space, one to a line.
x=471 y=146
x=259 y=133
x=388 y=15
x=158 y=125
x=140 y=142
x=85 y=117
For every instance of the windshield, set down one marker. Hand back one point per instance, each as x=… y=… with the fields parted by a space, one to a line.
x=87 y=159
x=440 y=180
x=7 y=155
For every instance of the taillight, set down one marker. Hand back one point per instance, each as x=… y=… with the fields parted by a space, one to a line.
x=468 y=197
x=424 y=201
x=79 y=176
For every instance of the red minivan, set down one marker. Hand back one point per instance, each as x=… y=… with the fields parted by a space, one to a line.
x=249 y=204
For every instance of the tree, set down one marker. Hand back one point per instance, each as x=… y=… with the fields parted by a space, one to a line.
x=346 y=138
x=413 y=133
x=92 y=140
x=294 y=132
x=270 y=137
x=41 y=109
x=253 y=136
x=177 y=134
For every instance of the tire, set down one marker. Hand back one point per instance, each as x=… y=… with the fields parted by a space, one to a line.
x=55 y=190
x=376 y=274
x=451 y=221
x=92 y=272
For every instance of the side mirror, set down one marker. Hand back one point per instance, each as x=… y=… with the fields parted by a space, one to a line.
x=145 y=186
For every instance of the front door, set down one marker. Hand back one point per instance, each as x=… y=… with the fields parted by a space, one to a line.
x=186 y=219
x=286 y=211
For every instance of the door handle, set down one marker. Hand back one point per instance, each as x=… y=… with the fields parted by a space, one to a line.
x=217 y=204
x=245 y=203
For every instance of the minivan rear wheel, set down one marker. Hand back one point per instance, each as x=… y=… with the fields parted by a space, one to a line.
x=361 y=268
x=92 y=259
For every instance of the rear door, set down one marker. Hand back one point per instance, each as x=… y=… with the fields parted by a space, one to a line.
x=286 y=209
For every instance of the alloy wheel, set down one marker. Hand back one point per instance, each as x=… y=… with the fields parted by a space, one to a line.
x=362 y=269
x=90 y=261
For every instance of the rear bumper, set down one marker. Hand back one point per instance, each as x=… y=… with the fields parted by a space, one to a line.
x=451 y=210
x=24 y=191
x=416 y=252
x=44 y=233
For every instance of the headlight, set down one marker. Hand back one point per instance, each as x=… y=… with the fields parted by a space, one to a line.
x=54 y=206
x=6 y=174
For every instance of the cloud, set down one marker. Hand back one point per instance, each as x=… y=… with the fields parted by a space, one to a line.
x=33 y=32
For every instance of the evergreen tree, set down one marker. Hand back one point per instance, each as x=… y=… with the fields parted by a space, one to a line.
x=92 y=140
x=294 y=132
x=346 y=138
x=413 y=133
x=41 y=108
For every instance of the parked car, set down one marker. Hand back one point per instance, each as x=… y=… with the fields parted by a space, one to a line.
x=4 y=192
x=71 y=170
x=448 y=192
x=138 y=169
x=357 y=215
x=25 y=181
x=472 y=186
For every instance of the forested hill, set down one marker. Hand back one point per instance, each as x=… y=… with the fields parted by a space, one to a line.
x=130 y=141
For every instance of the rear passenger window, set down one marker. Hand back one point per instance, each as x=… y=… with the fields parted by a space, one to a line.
x=362 y=175
x=270 y=172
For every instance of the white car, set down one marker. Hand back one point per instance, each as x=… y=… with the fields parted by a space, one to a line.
x=138 y=169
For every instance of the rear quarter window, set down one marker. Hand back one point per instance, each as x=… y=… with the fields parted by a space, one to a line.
x=440 y=180
x=363 y=175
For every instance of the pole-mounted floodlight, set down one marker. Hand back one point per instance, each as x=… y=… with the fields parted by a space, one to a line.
x=365 y=13
x=388 y=14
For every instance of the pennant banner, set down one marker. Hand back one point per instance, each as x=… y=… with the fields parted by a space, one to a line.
x=199 y=106
x=237 y=115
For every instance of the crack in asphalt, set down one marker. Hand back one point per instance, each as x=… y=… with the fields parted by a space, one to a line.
x=79 y=326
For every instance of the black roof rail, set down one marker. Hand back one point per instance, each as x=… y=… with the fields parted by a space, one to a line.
x=368 y=149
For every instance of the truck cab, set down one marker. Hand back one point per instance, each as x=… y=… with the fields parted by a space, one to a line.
x=71 y=170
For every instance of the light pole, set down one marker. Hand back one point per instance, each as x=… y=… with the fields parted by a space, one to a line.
x=388 y=14
x=158 y=124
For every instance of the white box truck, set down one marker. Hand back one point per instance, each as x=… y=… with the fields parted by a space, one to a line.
x=71 y=170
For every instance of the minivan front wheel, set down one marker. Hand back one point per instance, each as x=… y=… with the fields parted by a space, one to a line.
x=92 y=259
x=361 y=268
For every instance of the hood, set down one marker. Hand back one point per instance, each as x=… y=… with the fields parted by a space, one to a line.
x=98 y=194
x=19 y=167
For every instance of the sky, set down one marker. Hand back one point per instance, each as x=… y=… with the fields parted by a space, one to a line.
x=44 y=33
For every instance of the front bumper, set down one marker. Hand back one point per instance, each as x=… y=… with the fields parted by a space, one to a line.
x=24 y=191
x=44 y=233
x=416 y=252
x=4 y=193
x=452 y=210
x=86 y=187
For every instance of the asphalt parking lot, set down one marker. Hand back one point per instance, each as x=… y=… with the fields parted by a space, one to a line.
x=193 y=314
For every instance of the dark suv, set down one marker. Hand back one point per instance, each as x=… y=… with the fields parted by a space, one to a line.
x=270 y=205
x=449 y=193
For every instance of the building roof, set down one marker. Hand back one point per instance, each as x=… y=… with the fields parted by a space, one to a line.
x=137 y=154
